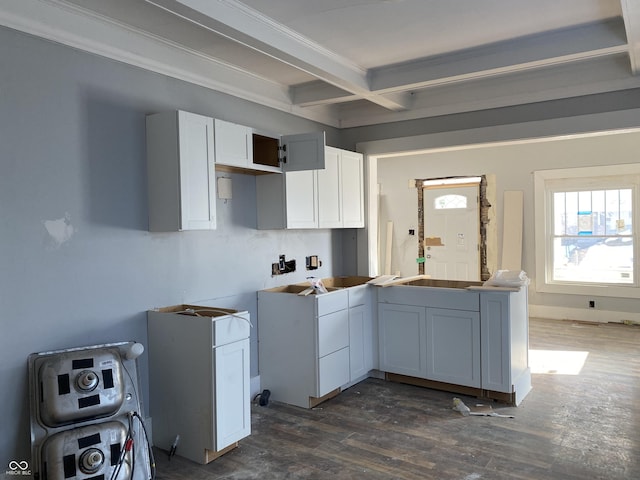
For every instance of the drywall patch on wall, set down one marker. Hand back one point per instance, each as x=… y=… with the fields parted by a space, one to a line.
x=60 y=231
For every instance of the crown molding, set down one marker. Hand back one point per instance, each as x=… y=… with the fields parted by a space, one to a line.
x=72 y=26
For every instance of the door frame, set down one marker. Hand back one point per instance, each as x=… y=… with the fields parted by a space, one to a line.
x=483 y=213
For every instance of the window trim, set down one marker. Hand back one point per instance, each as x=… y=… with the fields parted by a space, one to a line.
x=544 y=183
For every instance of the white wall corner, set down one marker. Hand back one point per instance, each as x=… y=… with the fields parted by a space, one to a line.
x=255 y=386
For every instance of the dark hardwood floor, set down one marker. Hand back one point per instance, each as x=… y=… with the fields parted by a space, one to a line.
x=572 y=427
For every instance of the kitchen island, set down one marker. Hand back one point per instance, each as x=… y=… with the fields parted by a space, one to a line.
x=457 y=336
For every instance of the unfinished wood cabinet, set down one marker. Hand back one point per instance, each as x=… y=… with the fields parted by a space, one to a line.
x=180 y=172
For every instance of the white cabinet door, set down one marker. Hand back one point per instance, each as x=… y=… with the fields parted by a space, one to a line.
x=330 y=191
x=304 y=151
x=352 y=189
x=402 y=337
x=361 y=359
x=453 y=346
x=181 y=172
x=301 y=199
x=341 y=190
x=232 y=393
x=233 y=143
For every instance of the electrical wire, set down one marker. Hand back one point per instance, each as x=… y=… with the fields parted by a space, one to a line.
x=152 y=463
x=152 y=460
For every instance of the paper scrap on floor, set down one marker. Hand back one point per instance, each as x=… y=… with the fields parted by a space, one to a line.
x=479 y=410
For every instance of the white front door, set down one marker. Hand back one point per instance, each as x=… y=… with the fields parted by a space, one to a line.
x=451 y=231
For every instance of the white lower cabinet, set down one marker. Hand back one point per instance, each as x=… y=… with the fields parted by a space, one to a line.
x=402 y=334
x=505 y=342
x=472 y=337
x=310 y=346
x=363 y=349
x=303 y=343
x=199 y=379
x=453 y=346
x=231 y=371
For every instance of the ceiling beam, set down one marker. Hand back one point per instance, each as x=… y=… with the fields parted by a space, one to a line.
x=250 y=28
x=594 y=76
x=545 y=50
x=631 y=15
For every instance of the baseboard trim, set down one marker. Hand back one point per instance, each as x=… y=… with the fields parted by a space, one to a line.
x=583 y=315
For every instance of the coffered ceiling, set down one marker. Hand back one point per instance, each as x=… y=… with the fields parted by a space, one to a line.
x=359 y=62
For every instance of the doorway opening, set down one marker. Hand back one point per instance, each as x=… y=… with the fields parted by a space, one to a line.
x=453 y=214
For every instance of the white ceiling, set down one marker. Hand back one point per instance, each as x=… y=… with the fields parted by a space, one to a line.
x=358 y=62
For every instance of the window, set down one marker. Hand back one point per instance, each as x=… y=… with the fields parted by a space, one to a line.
x=445 y=202
x=585 y=230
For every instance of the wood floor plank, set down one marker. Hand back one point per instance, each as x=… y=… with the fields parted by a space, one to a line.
x=570 y=427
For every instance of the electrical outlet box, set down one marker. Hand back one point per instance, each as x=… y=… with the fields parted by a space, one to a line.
x=312 y=262
x=283 y=266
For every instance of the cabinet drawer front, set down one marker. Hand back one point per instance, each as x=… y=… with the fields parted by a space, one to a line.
x=230 y=328
x=333 y=371
x=437 y=297
x=333 y=332
x=332 y=302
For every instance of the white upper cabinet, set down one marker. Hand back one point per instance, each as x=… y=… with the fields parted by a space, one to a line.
x=332 y=197
x=352 y=189
x=234 y=144
x=305 y=151
x=181 y=172
x=341 y=190
x=241 y=148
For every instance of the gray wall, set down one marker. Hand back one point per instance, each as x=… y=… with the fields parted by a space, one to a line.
x=77 y=264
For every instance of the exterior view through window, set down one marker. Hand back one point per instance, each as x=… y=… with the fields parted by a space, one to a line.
x=592 y=236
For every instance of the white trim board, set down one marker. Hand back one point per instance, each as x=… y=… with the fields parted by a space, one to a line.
x=582 y=314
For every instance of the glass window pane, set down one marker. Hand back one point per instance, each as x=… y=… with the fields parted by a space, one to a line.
x=559 y=213
x=450 y=201
x=593 y=240
x=571 y=218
